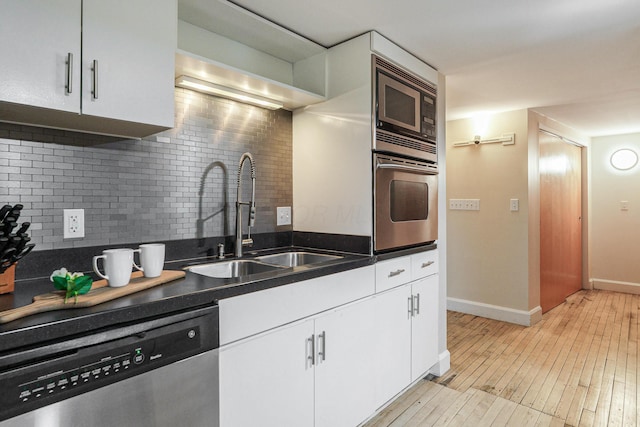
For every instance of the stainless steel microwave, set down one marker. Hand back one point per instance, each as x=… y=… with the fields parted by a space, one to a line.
x=405 y=112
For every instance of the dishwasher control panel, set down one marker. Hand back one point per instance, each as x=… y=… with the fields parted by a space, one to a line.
x=74 y=370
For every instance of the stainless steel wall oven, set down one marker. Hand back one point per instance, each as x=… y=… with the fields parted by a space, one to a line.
x=404 y=159
x=406 y=202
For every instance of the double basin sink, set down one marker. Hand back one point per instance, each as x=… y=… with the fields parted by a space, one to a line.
x=261 y=264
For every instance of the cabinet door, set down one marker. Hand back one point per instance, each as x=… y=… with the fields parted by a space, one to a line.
x=268 y=380
x=424 y=328
x=344 y=365
x=393 y=342
x=37 y=38
x=133 y=44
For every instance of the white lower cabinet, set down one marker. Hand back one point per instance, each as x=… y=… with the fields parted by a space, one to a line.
x=344 y=386
x=424 y=326
x=315 y=372
x=393 y=352
x=328 y=352
x=407 y=330
x=267 y=380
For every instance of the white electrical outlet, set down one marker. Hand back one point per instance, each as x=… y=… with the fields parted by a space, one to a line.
x=514 y=205
x=73 y=223
x=284 y=215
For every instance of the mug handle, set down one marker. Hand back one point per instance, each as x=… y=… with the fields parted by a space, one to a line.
x=95 y=266
x=134 y=260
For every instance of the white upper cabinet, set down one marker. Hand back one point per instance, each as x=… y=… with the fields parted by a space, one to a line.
x=88 y=65
x=133 y=44
x=38 y=38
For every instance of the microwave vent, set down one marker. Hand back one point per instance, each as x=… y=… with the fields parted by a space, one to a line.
x=381 y=63
x=413 y=144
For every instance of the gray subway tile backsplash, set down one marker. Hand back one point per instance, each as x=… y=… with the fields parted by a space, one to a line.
x=144 y=190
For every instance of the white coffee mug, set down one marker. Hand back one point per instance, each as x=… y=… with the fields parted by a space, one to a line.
x=117 y=266
x=151 y=259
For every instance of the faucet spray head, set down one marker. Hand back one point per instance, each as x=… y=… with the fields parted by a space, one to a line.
x=252 y=215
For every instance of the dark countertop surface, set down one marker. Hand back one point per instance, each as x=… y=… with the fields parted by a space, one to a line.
x=190 y=292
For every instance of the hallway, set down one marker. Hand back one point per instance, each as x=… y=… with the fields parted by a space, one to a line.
x=576 y=367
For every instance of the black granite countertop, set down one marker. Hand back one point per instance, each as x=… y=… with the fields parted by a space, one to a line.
x=190 y=292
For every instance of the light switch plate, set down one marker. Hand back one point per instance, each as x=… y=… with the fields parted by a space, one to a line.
x=464 y=204
x=283 y=215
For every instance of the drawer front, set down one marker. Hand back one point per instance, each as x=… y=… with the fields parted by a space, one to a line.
x=392 y=273
x=255 y=312
x=424 y=264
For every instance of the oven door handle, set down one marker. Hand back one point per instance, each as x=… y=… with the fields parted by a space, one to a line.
x=407 y=168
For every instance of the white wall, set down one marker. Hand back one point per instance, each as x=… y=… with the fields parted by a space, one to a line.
x=494 y=254
x=615 y=233
x=444 y=362
x=488 y=249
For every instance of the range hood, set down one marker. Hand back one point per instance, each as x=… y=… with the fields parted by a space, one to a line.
x=224 y=44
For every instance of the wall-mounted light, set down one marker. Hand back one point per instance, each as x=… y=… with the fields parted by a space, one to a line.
x=505 y=139
x=226 y=92
x=624 y=159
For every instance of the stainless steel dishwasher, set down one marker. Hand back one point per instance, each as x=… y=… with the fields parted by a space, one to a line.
x=155 y=372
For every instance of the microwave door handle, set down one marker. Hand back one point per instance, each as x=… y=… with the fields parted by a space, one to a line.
x=413 y=169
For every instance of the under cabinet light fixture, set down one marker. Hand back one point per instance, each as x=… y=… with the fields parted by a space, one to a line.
x=226 y=92
x=505 y=139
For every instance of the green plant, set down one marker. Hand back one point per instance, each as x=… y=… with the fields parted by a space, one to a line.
x=73 y=284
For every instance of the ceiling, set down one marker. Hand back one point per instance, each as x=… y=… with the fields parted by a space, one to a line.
x=574 y=61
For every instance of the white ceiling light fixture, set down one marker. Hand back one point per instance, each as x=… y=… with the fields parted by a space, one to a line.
x=226 y=92
x=624 y=159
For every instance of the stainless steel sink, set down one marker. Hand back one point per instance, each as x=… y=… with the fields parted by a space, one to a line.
x=235 y=268
x=294 y=259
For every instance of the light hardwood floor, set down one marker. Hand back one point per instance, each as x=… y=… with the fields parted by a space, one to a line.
x=577 y=367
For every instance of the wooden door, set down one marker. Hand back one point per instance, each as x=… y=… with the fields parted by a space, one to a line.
x=560 y=220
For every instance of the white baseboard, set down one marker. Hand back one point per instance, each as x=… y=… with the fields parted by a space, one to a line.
x=443 y=365
x=612 y=285
x=496 y=312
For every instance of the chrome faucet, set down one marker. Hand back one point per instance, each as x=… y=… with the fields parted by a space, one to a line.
x=240 y=242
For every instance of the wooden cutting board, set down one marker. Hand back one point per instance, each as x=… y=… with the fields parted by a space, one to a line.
x=98 y=294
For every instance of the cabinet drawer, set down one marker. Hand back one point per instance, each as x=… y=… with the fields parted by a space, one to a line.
x=392 y=273
x=424 y=264
x=255 y=312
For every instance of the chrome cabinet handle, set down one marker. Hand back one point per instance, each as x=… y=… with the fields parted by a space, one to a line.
x=311 y=356
x=396 y=273
x=410 y=307
x=417 y=304
x=427 y=264
x=94 y=80
x=322 y=354
x=69 y=80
